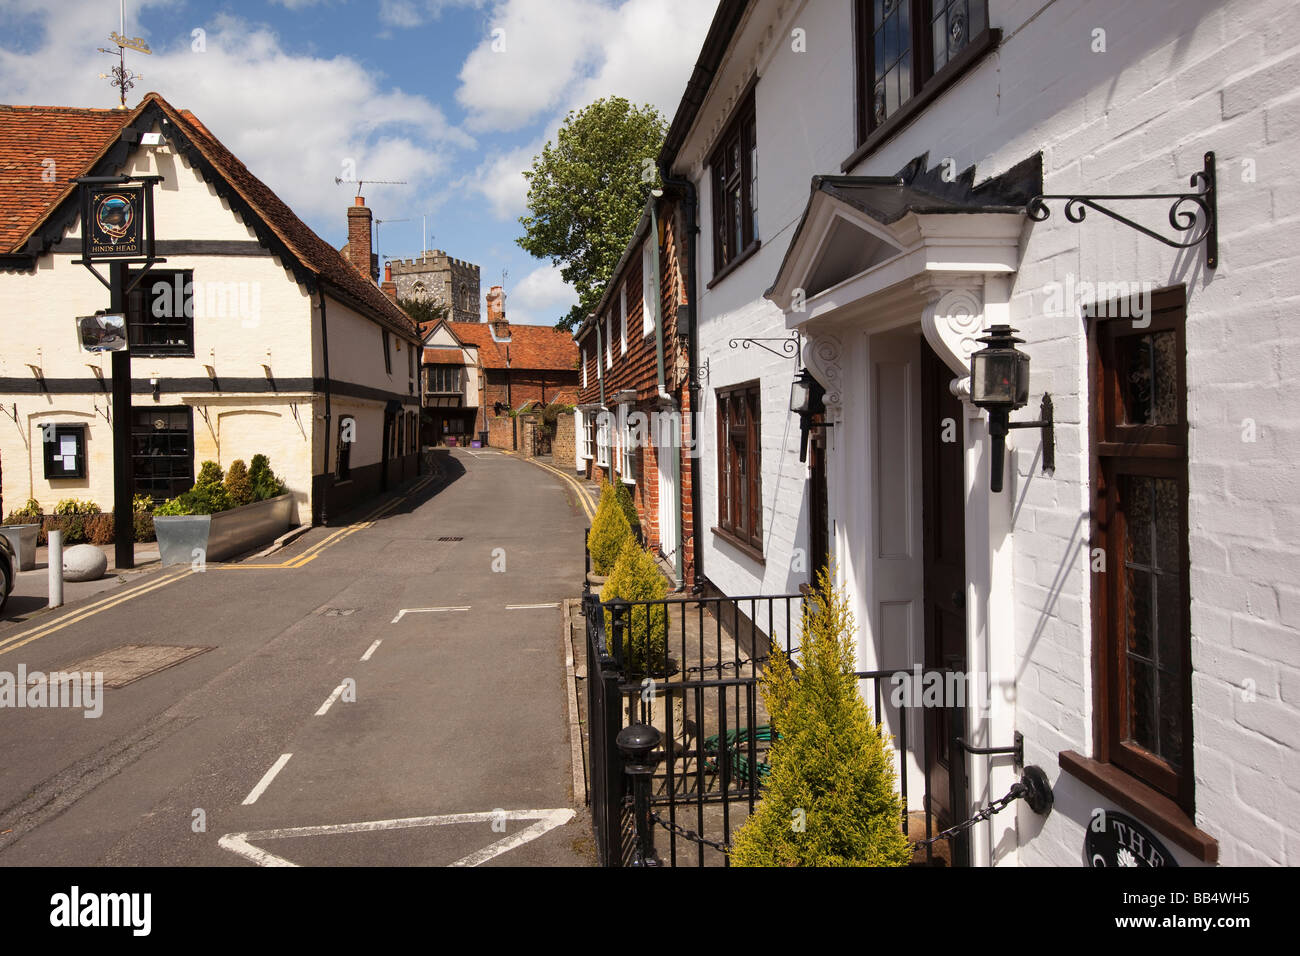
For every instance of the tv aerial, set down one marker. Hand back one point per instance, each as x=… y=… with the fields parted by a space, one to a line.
x=339 y=181
x=120 y=76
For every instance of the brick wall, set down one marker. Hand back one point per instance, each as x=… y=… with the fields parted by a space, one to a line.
x=501 y=432
x=527 y=385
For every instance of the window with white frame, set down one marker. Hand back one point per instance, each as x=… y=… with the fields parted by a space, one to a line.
x=609 y=340
x=647 y=289
x=622 y=311
x=587 y=439
x=626 y=443
x=602 y=439
x=584 y=366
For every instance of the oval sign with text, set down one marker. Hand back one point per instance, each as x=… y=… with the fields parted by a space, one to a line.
x=1116 y=839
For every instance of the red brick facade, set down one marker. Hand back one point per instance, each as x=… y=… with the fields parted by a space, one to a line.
x=635 y=369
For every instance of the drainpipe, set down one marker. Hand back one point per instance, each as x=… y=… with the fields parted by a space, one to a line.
x=325 y=353
x=693 y=381
x=664 y=398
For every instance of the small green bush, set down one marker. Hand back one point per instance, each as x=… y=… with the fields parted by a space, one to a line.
x=609 y=531
x=636 y=577
x=239 y=487
x=209 y=474
x=29 y=513
x=830 y=768
x=265 y=482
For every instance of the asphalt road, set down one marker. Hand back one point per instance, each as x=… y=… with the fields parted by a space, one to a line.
x=455 y=748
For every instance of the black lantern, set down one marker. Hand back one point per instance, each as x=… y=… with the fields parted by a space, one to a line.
x=1000 y=385
x=806 y=400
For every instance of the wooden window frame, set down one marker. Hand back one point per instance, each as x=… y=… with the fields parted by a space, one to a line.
x=742 y=132
x=1157 y=451
x=343 y=463
x=740 y=509
x=140 y=315
x=926 y=82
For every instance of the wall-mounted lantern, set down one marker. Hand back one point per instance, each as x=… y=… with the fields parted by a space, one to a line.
x=807 y=398
x=1000 y=385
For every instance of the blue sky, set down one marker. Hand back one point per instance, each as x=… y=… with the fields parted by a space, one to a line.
x=454 y=97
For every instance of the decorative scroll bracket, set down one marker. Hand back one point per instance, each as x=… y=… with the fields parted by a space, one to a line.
x=788 y=347
x=1198 y=224
x=821 y=356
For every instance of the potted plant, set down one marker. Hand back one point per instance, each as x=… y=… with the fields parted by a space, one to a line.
x=223 y=515
x=22 y=528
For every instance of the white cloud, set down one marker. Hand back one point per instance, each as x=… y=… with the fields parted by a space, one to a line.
x=324 y=111
x=566 y=53
x=499 y=179
x=540 y=298
x=413 y=13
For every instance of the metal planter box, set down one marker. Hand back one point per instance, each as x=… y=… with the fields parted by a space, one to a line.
x=23 y=539
x=225 y=534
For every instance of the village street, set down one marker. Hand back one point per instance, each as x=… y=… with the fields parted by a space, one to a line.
x=446 y=611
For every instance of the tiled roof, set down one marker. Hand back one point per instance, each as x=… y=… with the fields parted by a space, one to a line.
x=531 y=346
x=81 y=136
x=41 y=148
x=444 y=357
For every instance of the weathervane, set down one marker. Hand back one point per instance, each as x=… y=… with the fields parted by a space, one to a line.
x=120 y=76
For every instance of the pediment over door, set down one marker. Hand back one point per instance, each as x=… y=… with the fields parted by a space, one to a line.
x=870 y=250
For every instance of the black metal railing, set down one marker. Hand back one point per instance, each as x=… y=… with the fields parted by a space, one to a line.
x=690 y=668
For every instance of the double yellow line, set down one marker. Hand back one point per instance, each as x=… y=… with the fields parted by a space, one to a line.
x=315 y=551
x=80 y=614
x=168 y=577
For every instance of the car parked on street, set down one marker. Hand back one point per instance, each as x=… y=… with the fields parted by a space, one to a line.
x=8 y=566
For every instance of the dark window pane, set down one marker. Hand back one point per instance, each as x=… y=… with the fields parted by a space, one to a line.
x=1137 y=492
x=1139 y=613
x=1142 y=705
x=1150 y=379
x=1166 y=527
x=1170 y=742
x=879 y=65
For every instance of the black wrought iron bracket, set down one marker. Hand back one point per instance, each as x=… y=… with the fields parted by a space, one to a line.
x=700 y=377
x=1046 y=427
x=788 y=347
x=1195 y=214
x=1017 y=749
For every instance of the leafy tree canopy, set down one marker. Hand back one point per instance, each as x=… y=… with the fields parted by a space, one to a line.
x=424 y=312
x=586 y=191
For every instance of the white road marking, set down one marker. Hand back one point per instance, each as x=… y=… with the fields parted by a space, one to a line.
x=329 y=701
x=547 y=820
x=425 y=610
x=373 y=647
x=266 y=780
x=524 y=607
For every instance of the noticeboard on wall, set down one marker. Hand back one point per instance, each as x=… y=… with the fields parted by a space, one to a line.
x=65 y=450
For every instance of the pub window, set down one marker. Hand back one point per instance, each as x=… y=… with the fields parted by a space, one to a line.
x=740 y=475
x=904 y=47
x=65 y=450
x=347 y=434
x=1141 y=631
x=444 y=379
x=733 y=171
x=388 y=355
x=162 y=451
x=160 y=312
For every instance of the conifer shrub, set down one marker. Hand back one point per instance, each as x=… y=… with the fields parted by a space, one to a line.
x=266 y=484
x=636 y=577
x=831 y=797
x=609 y=531
x=239 y=487
x=624 y=497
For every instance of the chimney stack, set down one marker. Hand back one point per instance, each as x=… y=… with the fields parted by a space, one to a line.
x=496 y=312
x=389 y=287
x=359 y=219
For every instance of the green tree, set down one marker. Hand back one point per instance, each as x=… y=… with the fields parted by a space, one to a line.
x=239 y=487
x=586 y=191
x=424 y=312
x=830 y=799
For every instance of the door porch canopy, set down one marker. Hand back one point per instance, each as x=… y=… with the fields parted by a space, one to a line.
x=875 y=252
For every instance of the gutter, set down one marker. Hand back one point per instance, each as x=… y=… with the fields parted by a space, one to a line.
x=693 y=382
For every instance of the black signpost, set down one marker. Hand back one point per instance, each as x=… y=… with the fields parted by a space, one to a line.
x=117 y=228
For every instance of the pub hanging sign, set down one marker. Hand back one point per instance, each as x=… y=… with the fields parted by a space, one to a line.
x=117 y=221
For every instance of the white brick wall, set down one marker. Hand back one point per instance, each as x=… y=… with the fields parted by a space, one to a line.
x=1178 y=77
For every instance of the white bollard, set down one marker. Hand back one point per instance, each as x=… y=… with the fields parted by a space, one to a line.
x=56 y=569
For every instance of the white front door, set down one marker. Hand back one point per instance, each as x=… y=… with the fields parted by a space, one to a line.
x=665 y=449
